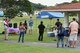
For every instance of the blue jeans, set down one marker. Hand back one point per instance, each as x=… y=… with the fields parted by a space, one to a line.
x=21 y=35
x=60 y=38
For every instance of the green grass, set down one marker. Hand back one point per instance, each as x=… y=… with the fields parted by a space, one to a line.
x=30 y=38
x=34 y=37
x=18 y=48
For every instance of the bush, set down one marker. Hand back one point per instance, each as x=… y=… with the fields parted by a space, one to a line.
x=11 y=12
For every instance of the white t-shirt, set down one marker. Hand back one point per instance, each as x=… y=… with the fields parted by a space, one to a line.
x=5 y=27
x=55 y=32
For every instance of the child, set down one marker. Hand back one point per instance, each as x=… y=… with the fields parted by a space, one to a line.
x=55 y=31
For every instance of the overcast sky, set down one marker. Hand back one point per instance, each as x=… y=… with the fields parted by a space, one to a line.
x=49 y=2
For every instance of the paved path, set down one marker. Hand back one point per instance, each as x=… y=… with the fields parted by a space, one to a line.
x=53 y=45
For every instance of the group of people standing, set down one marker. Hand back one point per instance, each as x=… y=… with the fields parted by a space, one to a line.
x=23 y=29
x=23 y=26
x=73 y=32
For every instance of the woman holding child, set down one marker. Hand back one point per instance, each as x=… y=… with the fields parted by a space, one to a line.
x=22 y=32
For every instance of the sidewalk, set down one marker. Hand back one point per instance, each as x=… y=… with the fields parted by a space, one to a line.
x=52 y=45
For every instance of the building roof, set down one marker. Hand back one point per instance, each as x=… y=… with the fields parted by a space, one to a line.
x=66 y=7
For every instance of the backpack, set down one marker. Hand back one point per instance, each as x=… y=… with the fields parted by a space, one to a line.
x=61 y=30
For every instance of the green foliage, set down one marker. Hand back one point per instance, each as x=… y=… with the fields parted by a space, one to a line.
x=13 y=7
x=72 y=14
x=21 y=5
x=28 y=37
x=20 y=14
x=74 y=1
x=63 y=3
x=11 y=12
x=7 y=3
x=38 y=6
x=25 y=5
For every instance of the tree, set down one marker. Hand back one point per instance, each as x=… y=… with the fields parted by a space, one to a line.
x=63 y=3
x=74 y=1
x=25 y=5
x=15 y=6
x=38 y=6
x=7 y=3
x=78 y=0
x=11 y=12
x=21 y=6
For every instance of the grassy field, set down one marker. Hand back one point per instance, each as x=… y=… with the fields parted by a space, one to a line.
x=34 y=37
x=18 y=48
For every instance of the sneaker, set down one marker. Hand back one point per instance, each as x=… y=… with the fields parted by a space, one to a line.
x=62 y=46
x=57 y=46
x=72 y=47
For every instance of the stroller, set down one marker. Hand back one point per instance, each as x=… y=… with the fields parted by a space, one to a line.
x=66 y=34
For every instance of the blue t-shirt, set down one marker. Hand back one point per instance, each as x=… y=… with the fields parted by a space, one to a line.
x=30 y=23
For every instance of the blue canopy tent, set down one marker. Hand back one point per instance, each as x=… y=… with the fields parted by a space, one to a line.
x=50 y=15
x=46 y=14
